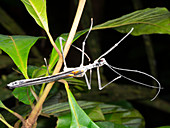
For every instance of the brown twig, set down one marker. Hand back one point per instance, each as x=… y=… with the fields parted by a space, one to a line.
x=19 y=117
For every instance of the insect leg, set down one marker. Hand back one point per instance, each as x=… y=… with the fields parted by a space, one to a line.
x=111 y=82
x=46 y=66
x=90 y=76
x=84 y=42
x=60 y=40
x=87 y=82
x=99 y=80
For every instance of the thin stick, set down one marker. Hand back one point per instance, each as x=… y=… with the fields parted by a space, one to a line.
x=74 y=26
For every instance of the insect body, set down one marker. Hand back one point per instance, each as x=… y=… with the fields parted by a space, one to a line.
x=82 y=69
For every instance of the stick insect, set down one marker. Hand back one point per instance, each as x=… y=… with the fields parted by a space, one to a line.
x=82 y=69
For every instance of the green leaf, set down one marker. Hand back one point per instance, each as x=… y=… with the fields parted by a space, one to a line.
x=34 y=71
x=54 y=55
x=58 y=109
x=79 y=117
x=62 y=111
x=112 y=113
x=124 y=104
x=2 y=105
x=37 y=9
x=146 y=21
x=76 y=82
x=18 y=47
x=24 y=95
x=110 y=125
x=64 y=121
x=130 y=117
x=95 y=114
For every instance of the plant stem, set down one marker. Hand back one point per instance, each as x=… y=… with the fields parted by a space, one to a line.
x=150 y=54
x=35 y=112
x=54 y=45
x=71 y=33
x=6 y=123
x=16 y=114
x=74 y=26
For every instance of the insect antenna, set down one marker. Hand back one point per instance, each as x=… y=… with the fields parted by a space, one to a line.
x=82 y=51
x=114 y=46
x=140 y=72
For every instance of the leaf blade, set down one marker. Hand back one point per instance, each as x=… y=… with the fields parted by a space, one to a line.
x=79 y=117
x=18 y=47
x=146 y=21
x=2 y=105
x=37 y=9
x=119 y=115
x=111 y=125
x=23 y=94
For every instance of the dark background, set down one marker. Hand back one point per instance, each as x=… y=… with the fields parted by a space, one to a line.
x=131 y=54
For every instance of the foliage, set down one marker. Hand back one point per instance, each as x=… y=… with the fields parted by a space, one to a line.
x=98 y=112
